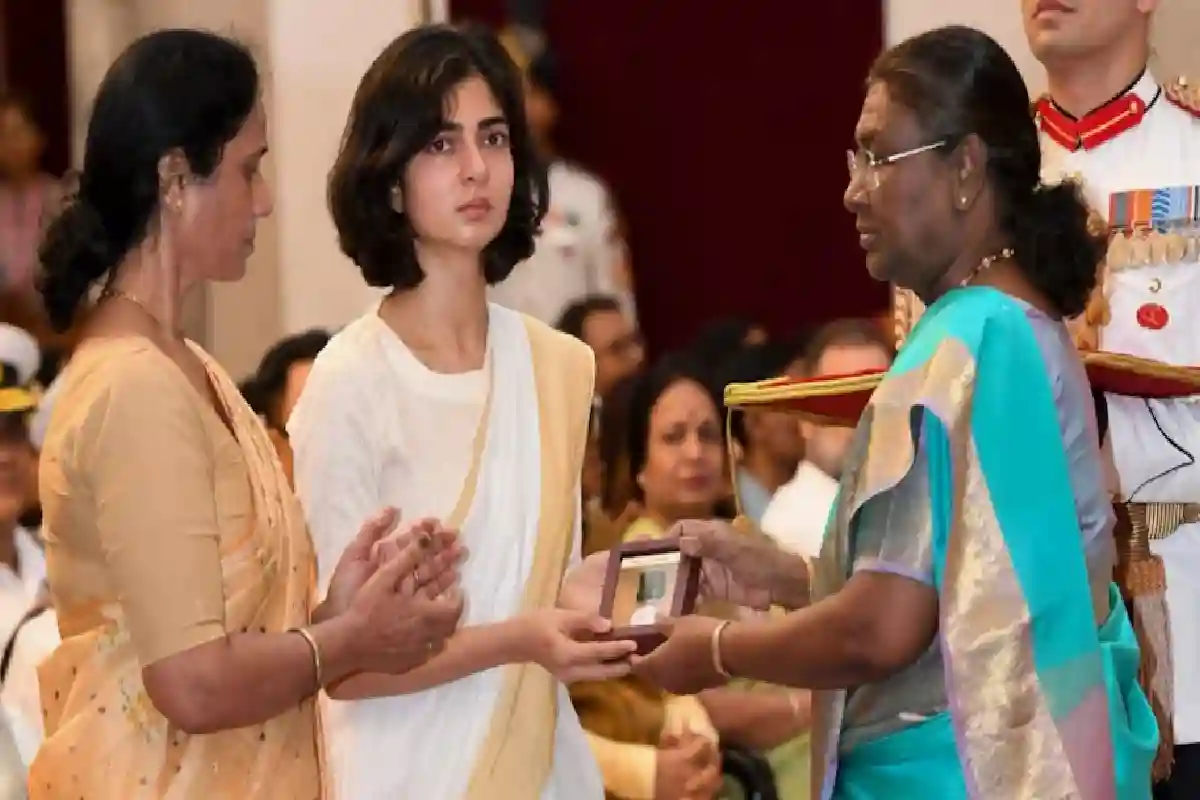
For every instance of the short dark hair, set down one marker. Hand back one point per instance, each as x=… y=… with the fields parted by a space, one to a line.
x=184 y=90
x=749 y=365
x=273 y=369
x=845 y=333
x=253 y=395
x=271 y=378
x=613 y=441
x=575 y=317
x=721 y=339
x=959 y=81
x=399 y=108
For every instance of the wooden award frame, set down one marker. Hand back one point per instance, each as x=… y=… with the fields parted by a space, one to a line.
x=621 y=596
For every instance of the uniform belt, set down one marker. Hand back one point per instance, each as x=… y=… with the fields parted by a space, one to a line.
x=1150 y=522
x=1142 y=577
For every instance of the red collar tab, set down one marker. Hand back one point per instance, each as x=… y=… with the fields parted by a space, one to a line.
x=1094 y=129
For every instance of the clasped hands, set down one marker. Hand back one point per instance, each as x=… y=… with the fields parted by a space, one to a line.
x=399 y=582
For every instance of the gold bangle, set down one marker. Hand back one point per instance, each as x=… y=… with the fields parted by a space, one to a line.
x=717 y=660
x=316 y=655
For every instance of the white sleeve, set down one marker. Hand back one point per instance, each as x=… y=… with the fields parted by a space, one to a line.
x=21 y=698
x=601 y=245
x=334 y=464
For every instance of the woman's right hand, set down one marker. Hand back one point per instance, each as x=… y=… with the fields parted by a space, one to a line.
x=564 y=642
x=398 y=623
x=743 y=567
x=689 y=768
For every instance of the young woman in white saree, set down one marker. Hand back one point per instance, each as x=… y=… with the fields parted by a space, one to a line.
x=461 y=411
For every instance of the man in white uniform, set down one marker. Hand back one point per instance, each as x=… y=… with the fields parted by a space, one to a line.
x=798 y=511
x=22 y=562
x=580 y=251
x=1134 y=142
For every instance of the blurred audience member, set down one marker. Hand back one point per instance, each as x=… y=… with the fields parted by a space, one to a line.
x=797 y=514
x=722 y=339
x=28 y=198
x=614 y=507
x=598 y=321
x=27 y=195
x=282 y=372
x=275 y=387
x=580 y=250
x=22 y=562
x=650 y=745
x=676 y=445
x=769 y=442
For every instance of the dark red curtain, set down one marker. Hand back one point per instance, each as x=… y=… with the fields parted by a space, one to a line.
x=722 y=130
x=34 y=51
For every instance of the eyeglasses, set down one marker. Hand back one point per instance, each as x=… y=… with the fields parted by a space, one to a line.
x=865 y=165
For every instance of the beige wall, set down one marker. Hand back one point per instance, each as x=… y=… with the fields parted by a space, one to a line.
x=236 y=322
x=319 y=50
x=1175 y=35
x=313 y=53
x=1175 y=32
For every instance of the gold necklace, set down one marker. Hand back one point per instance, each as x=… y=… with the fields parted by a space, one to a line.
x=114 y=293
x=985 y=263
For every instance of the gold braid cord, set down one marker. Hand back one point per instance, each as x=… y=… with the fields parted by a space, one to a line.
x=1187 y=379
x=1143 y=581
x=781 y=390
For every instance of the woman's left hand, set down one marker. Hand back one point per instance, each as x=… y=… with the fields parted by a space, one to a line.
x=683 y=664
x=357 y=563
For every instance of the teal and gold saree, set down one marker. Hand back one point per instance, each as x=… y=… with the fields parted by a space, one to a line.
x=958 y=478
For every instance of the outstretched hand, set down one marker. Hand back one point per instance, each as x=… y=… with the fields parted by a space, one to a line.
x=683 y=664
x=745 y=568
x=564 y=642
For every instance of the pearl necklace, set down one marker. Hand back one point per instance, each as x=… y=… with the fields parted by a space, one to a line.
x=985 y=263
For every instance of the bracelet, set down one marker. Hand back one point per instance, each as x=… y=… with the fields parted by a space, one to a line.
x=316 y=655
x=717 y=661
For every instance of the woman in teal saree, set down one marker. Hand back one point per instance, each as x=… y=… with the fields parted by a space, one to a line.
x=960 y=625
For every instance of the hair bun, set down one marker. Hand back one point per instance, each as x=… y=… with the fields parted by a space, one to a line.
x=75 y=253
x=1056 y=237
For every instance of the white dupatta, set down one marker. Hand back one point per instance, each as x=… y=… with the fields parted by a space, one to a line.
x=426 y=745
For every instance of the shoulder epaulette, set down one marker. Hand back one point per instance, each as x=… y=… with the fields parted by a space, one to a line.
x=1185 y=94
